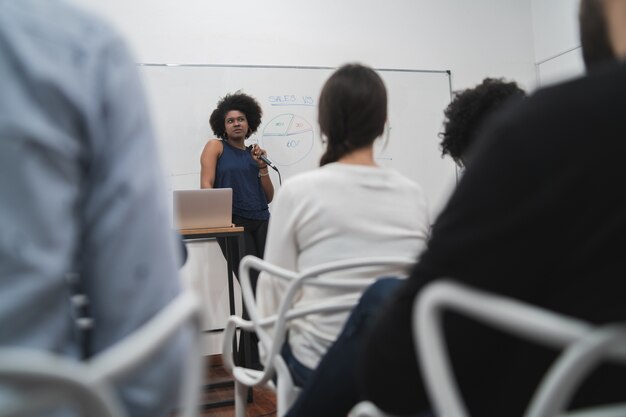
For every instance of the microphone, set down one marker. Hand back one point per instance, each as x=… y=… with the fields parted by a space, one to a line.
x=268 y=162
x=265 y=159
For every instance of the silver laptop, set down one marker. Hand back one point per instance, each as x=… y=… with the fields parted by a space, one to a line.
x=206 y=208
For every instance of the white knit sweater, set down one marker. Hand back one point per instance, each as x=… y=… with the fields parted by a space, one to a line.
x=337 y=212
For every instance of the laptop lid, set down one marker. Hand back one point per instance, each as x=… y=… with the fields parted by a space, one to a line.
x=206 y=208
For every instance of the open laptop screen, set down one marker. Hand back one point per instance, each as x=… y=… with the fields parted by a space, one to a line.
x=206 y=208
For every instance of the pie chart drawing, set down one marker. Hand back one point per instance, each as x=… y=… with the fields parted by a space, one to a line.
x=287 y=138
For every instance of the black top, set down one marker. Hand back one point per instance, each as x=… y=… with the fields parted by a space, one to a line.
x=237 y=169
x=540 y=215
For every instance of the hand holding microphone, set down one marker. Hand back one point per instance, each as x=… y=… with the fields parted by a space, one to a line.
x=258 y=153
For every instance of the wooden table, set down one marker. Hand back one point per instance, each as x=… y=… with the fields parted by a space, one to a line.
x=233 y=235
x=235 y=247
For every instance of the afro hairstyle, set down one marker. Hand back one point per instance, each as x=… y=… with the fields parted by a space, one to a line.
x=240 y=102
x=468 y=110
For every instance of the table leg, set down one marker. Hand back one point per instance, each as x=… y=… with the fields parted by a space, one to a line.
x=247 y=354
x=231 y=285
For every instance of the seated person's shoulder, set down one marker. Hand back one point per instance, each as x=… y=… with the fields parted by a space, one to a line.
x=579 y=98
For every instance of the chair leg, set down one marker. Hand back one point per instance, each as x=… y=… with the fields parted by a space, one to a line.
x=282 y=405
x=286 y=394
x=241 y=399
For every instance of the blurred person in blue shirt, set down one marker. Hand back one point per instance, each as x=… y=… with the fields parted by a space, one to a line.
x=82 y=195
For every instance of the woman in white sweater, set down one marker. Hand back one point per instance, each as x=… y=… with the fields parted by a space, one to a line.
x=348 y=208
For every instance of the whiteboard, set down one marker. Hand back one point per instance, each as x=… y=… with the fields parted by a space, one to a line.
x=182 y=98
x=561 y=67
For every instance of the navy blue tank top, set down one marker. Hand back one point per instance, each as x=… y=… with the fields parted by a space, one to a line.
x=237 y=170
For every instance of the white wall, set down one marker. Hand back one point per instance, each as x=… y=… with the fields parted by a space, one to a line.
x=556 y=40
x=555 y=27
x=473 y=39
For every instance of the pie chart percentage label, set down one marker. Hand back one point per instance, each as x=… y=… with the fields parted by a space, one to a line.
x=287 y=138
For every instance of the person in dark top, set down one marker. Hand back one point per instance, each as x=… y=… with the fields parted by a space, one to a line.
x=539 y=216
x=227 y=163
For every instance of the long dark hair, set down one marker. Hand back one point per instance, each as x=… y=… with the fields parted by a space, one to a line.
x=352 y=110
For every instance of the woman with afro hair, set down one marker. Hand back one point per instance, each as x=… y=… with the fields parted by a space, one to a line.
x=227 y=162
x=467 y=112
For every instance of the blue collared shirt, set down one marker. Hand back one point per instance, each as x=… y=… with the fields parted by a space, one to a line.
x=80 y=190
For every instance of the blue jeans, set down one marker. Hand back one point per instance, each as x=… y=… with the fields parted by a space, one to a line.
x=331 y=389
x=300 y=373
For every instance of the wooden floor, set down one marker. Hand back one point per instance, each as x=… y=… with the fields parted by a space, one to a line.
x=264 y=399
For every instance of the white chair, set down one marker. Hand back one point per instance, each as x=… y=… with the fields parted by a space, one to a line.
x=271 y=331
x=42 y=381
x=583 y=347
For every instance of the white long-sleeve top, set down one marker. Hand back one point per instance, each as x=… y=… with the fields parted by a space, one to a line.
x=337 y=212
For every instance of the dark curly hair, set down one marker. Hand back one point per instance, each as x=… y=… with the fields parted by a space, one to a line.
x=240 y=102
x=352 y=110
x=468 y=110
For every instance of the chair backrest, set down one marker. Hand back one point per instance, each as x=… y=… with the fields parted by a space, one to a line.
x=271 y=331
x=41 y=381
x=584 y=346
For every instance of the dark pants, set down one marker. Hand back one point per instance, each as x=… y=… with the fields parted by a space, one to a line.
x=254 y=235
x=331 y=389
